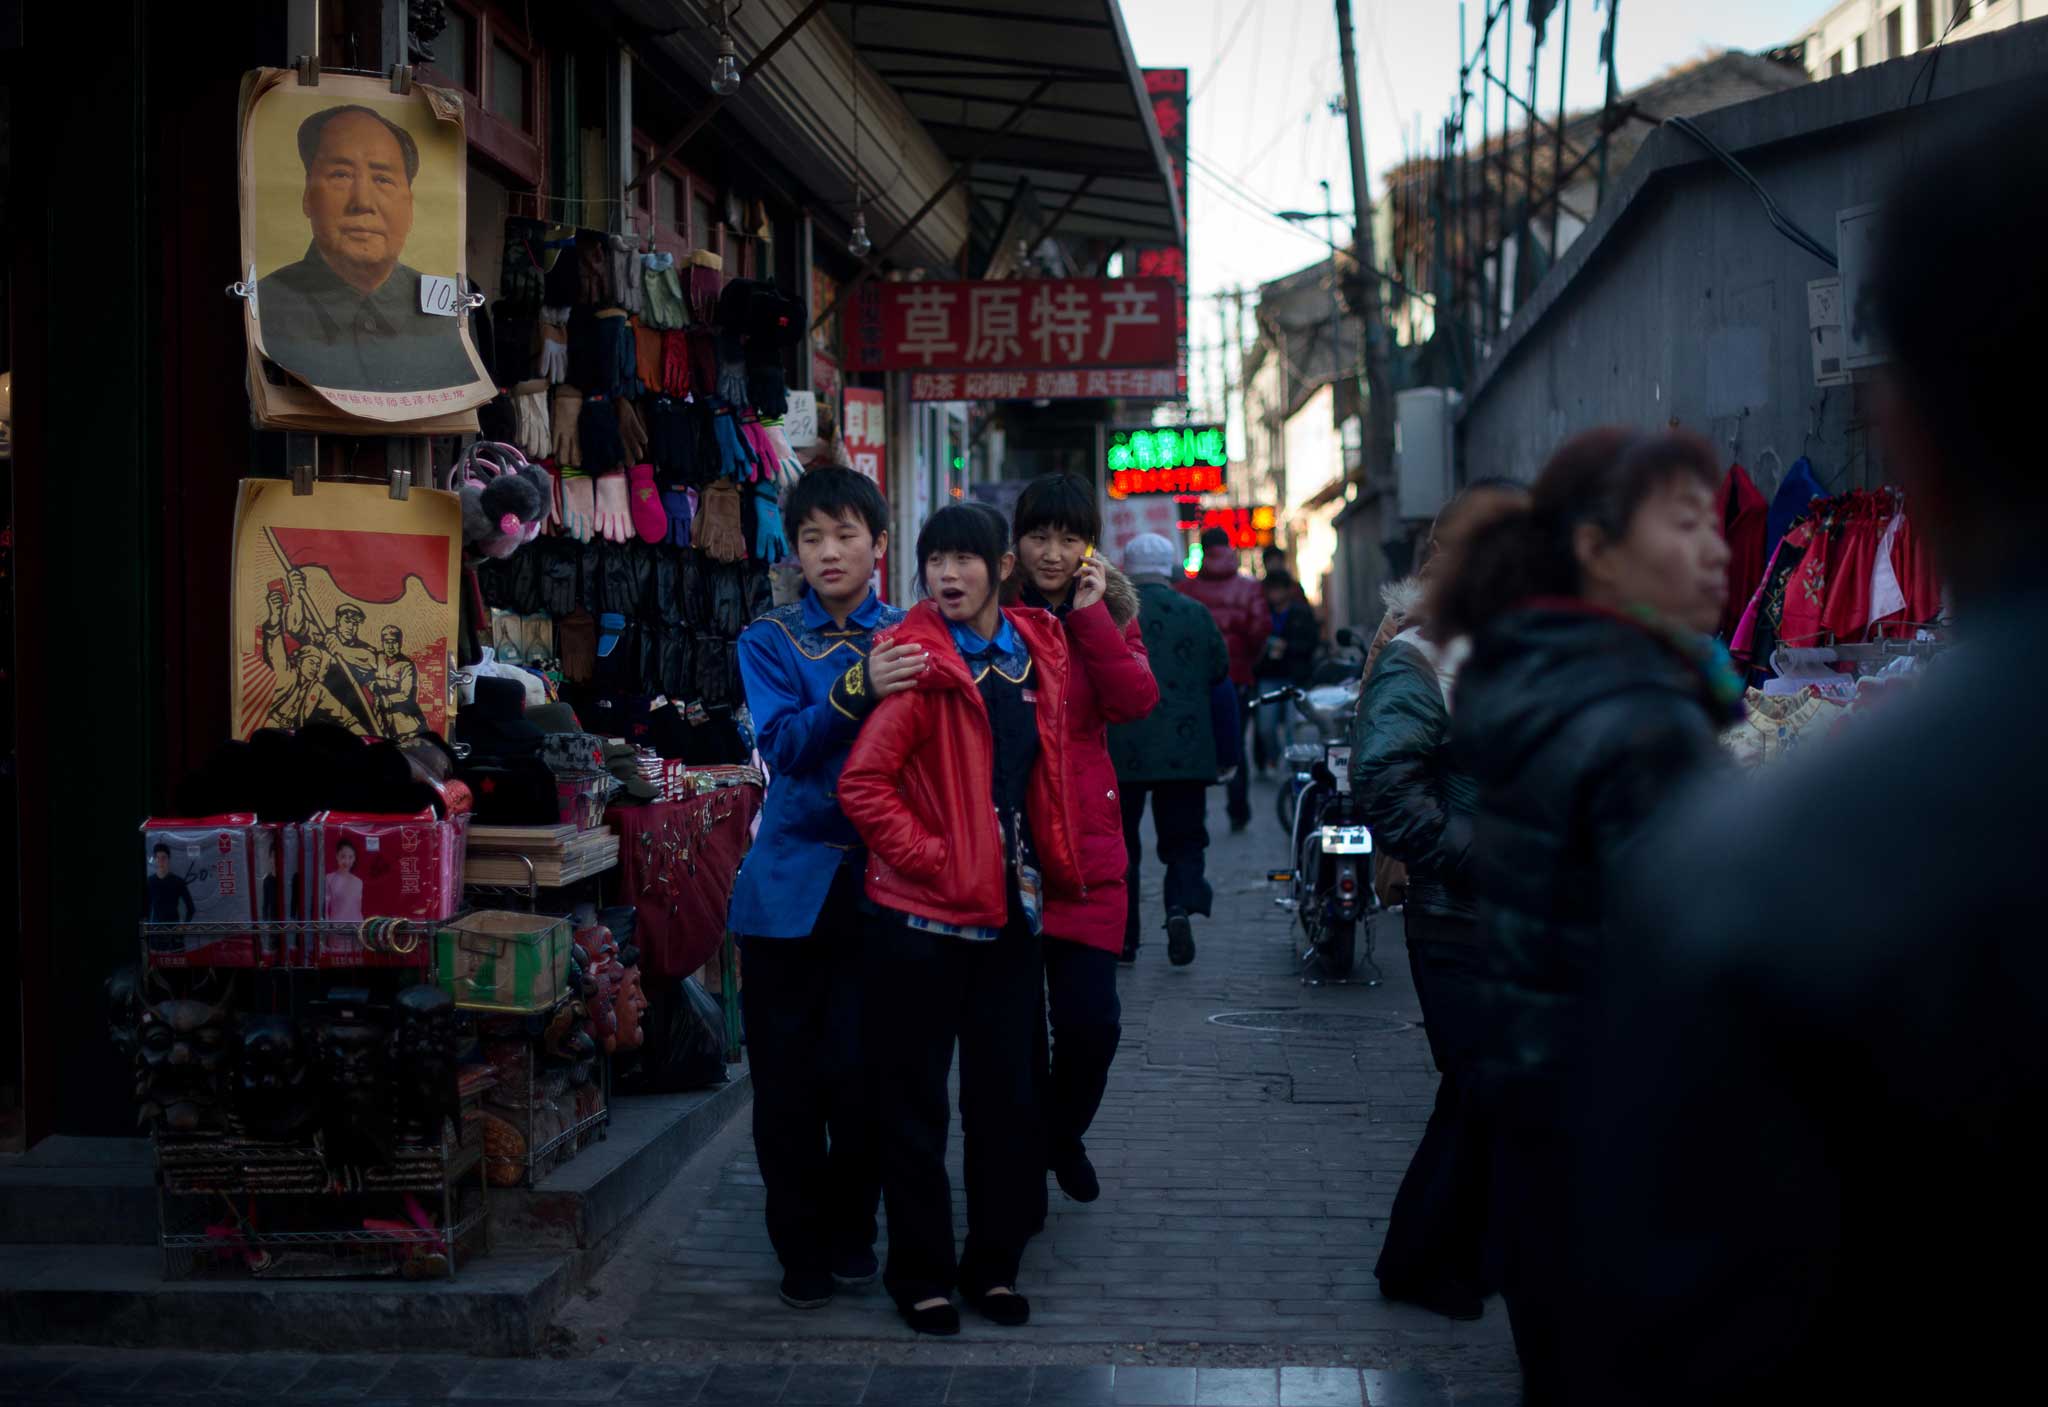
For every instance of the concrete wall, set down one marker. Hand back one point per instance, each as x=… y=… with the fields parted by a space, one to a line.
x=1682 y=303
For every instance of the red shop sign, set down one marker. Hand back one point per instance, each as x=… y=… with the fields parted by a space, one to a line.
x=1053 y=324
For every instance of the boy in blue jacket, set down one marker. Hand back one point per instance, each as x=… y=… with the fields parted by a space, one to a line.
x=798 y=907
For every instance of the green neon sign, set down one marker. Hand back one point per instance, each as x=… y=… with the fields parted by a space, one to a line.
x=1168 y=447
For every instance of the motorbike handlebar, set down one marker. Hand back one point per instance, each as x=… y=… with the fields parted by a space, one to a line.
x=1277 y=696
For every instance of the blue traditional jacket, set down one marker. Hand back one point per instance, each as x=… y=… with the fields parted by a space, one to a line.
x=807 y=689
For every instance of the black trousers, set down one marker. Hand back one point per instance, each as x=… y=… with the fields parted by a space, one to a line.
x=926 y=992
x=814 y=1092
x=1237 y=791
x=1436 y=1239
x=1180 y=813
x=1081 y=1000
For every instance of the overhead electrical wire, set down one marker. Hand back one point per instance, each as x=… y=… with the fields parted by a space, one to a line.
x=1781 y=222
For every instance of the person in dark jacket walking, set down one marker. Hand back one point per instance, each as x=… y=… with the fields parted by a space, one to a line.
x=1807 y=1168
x=1241 y=614
x=1170 y=756
x=1592 y=695
x=1419 y=805
x=1289 y=657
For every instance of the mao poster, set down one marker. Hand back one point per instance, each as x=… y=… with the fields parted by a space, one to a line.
x=345 y=608
x=353 y=210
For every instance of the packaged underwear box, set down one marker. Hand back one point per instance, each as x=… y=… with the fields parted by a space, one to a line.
x=362 y=866
x=208 y=870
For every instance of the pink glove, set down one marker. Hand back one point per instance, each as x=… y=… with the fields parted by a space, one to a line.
x=650 y=518
x=579 y=513
x=614 y=515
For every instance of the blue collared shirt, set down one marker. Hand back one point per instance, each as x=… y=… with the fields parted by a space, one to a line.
x=1004 y=647
x=807 y=711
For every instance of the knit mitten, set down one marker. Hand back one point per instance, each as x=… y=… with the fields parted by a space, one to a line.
x=614 y=512
x=632 y=432
x=717 y=530
x=554 y=352
x=568 y=411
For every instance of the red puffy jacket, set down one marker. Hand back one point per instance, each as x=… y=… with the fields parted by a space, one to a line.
x=919 y=781
x=1111 y=682
x=1239 y=607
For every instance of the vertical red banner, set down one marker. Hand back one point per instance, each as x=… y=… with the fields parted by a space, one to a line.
x=1168 y=90
x=866 y=431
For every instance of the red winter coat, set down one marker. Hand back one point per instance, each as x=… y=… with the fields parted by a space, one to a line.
x=1111 y=682
x=919 y=781
x=1239 y=607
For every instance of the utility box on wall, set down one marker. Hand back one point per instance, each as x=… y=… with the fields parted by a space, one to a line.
x=1425 y=449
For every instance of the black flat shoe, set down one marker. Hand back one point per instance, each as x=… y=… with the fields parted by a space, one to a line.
x=1009 y=1310
x=941 y=1320
x=1076 y=1177
x=806 y=1289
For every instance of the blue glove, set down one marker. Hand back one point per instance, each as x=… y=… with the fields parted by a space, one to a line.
x=677 y=502
x=732 y=455
x=769 y=544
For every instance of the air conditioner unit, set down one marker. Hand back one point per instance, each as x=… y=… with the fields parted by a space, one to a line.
x=1425 y=449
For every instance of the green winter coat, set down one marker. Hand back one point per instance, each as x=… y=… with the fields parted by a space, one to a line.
x=1176 y=742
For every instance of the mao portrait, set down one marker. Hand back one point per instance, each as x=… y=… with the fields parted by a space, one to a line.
x=349 y=215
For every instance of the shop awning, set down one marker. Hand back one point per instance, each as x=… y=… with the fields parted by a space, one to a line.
x=1085 y=143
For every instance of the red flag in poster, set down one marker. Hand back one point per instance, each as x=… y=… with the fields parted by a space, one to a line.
x=1058 y=324
x=369 y=566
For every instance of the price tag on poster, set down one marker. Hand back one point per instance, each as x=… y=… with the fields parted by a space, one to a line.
x=438 y=296
x=800 y=421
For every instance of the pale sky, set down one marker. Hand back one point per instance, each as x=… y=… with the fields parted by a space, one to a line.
x=1262 y=74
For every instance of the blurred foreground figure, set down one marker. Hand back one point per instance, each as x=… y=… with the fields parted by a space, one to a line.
x=1803 y=1171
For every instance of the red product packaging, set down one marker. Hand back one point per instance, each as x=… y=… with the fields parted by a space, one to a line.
x=203 y=870
x=365 y=866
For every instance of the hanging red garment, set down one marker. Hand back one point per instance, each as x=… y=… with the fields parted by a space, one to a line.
x=1745 y=519
x=1846 y=605
x=1913 y=561
x=1802 y=623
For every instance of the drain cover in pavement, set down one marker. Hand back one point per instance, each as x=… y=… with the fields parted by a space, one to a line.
x=1297 y=1019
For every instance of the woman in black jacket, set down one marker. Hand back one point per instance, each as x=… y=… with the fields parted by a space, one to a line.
x=1419 y=806
x=1593 y=694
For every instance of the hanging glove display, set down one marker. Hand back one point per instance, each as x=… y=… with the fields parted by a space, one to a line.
x=614 y=513
x=769 y=545
x=768 y=391
x=647 y=358
x=676 y=504
x=671 y=441
x=597 y=432
x=717 y=531
x=675 y=363
x=617 y=329
x=732 y=374
x=530 y=402
x=579 y=505
x=623 y=259
x=568 y=411
x=592 y=274
x=650 y=519
x=662 y=292
x=554 y=352
x=632 y=432
x=732 y=455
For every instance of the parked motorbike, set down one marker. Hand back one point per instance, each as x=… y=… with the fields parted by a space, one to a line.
x=1329 y=884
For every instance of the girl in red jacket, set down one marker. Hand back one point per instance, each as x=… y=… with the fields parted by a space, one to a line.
x=1110 y=681
x=959 y=789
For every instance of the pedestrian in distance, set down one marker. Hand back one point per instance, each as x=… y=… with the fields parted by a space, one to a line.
x=1170 y=757
x=1808 y=1166
x=1419 y=804
x=1592 y=696
x=1289 y=657
x=812 y=675
x=960 y=787
x=1241 y=613
x=1110 y=681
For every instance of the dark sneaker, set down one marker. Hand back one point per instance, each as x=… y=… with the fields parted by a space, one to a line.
x=807 y=1289
x=942 y=1320
x=1010 y=1311
x=855 y=1268
x=1180 y=938
x=1076 y=1177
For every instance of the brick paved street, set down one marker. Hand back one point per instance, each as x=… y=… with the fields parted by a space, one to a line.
x=1248 y=1167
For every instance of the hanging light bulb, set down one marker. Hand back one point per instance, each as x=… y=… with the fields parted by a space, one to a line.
x=858 y=244
x=725 y=74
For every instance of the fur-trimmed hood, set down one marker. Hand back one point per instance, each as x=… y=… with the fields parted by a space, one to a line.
x=1402 y=598
x=1118 y=594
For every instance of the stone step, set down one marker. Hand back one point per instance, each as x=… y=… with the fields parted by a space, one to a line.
x=544 y=1243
